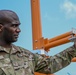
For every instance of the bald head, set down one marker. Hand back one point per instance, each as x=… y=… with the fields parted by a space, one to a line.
x=6 y=16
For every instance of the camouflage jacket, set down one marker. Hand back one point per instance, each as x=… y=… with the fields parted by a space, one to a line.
x=19 y=61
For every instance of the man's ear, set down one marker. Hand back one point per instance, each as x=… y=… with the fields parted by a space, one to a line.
x=1 y=27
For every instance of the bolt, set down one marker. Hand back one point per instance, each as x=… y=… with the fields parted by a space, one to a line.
x=35 y=40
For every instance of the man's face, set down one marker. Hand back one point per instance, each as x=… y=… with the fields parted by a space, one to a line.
x=11 y=31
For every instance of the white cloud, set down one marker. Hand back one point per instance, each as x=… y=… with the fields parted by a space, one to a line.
x=69 y=9
x=50 y=17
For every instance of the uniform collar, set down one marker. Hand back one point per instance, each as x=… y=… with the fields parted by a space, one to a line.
x=12 y=50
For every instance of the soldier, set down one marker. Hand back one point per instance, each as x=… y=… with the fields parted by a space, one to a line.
x=15 y=60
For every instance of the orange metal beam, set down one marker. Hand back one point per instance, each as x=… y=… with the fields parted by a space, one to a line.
x=36 y=73
x=36 y=28
x=36 y=23
x=60 y=36
x=38 y=40
x=57 y=43
x=74 y=59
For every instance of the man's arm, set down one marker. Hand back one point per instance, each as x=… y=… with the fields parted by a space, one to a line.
x=54 y=63
x=2 y=72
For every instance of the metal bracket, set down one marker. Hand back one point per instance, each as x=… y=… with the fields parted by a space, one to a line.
x=41 y=52
x=73 y=30
x=72 y=39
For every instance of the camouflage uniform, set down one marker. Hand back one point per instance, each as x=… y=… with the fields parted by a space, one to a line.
x=19 y=61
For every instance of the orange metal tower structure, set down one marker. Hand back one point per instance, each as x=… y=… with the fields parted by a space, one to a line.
x=39 y=42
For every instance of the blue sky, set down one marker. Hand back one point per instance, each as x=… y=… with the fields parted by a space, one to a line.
x=57 y=17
